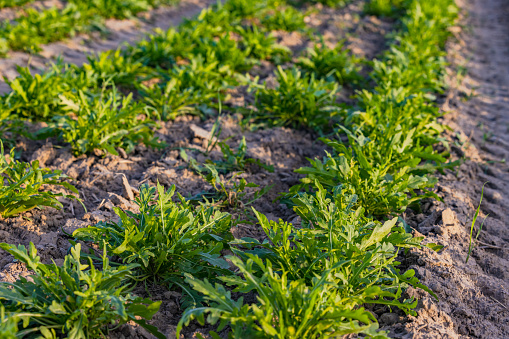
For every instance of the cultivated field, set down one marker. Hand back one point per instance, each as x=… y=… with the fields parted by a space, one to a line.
x=254 y=169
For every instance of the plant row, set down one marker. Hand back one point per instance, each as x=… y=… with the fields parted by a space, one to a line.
x=37 y=27
x=188 y=70
x=310 y=281
x=13 y=3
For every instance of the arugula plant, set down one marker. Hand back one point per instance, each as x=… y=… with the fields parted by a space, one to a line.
x=188 y=89
x=336 y=64
x=386 y=8
x=329 y=3
x=163 y=48
x=114 y=9
x=298 y=101
x=9 y=324
x=284 y=19
x=36 y=28
x=258 y=44
x=21 y=186
x=336 y=235
x=10 y=126
x=166 y=239
x=116 y=68
x=76 y=300
x=103 y=122
x=37 y=97
x=382 y=185
x=13 y=3
x=285 y=308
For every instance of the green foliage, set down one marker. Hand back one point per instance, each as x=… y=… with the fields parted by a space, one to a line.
x=36 y=97
x=260 y=45
x=311 y=280
x=390 y=153
x=164 y=48
x=8 y=324
x=387 y=8
x=21 y=186
x=166 y=239
x=298 y=101
x=336 y=235
x=13 y=3
x=286 y=308
x=335 y=64
x=118 y=9
x=385 y=173
x=474 y=219
x=41 y=27
x=329 y=3
x=38 y=27
x=103 y=122
x=285 y=19
x=187 y=89
x=10 y=126
x=75 y=299
x=115 y=67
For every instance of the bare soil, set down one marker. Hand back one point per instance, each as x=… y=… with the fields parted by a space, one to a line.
x=473 y=297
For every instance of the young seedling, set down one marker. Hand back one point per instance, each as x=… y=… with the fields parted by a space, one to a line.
x=471 y=244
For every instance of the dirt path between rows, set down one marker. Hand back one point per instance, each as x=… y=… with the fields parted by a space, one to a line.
x=474 y=296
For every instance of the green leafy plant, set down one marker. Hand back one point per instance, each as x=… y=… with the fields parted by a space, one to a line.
x=8 y=324
x=115 y=68
x=37 y=97
x=329 y=3
x=41 y=27
x=75 y=299
x=285 y=19
x=21 y=186
x=37 y=27
x=298 y=101
x=188 y=89
x=10 y=126
x=471 y=244
x=166 y=240
x=13 y=3
x=387 y=8
x=382 y=186
x=261 y=45
x=103 y=122
x=285 y=308
x=337 y=235
x=336 y=64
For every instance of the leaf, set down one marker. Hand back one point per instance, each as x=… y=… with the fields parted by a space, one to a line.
x=379 y=233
